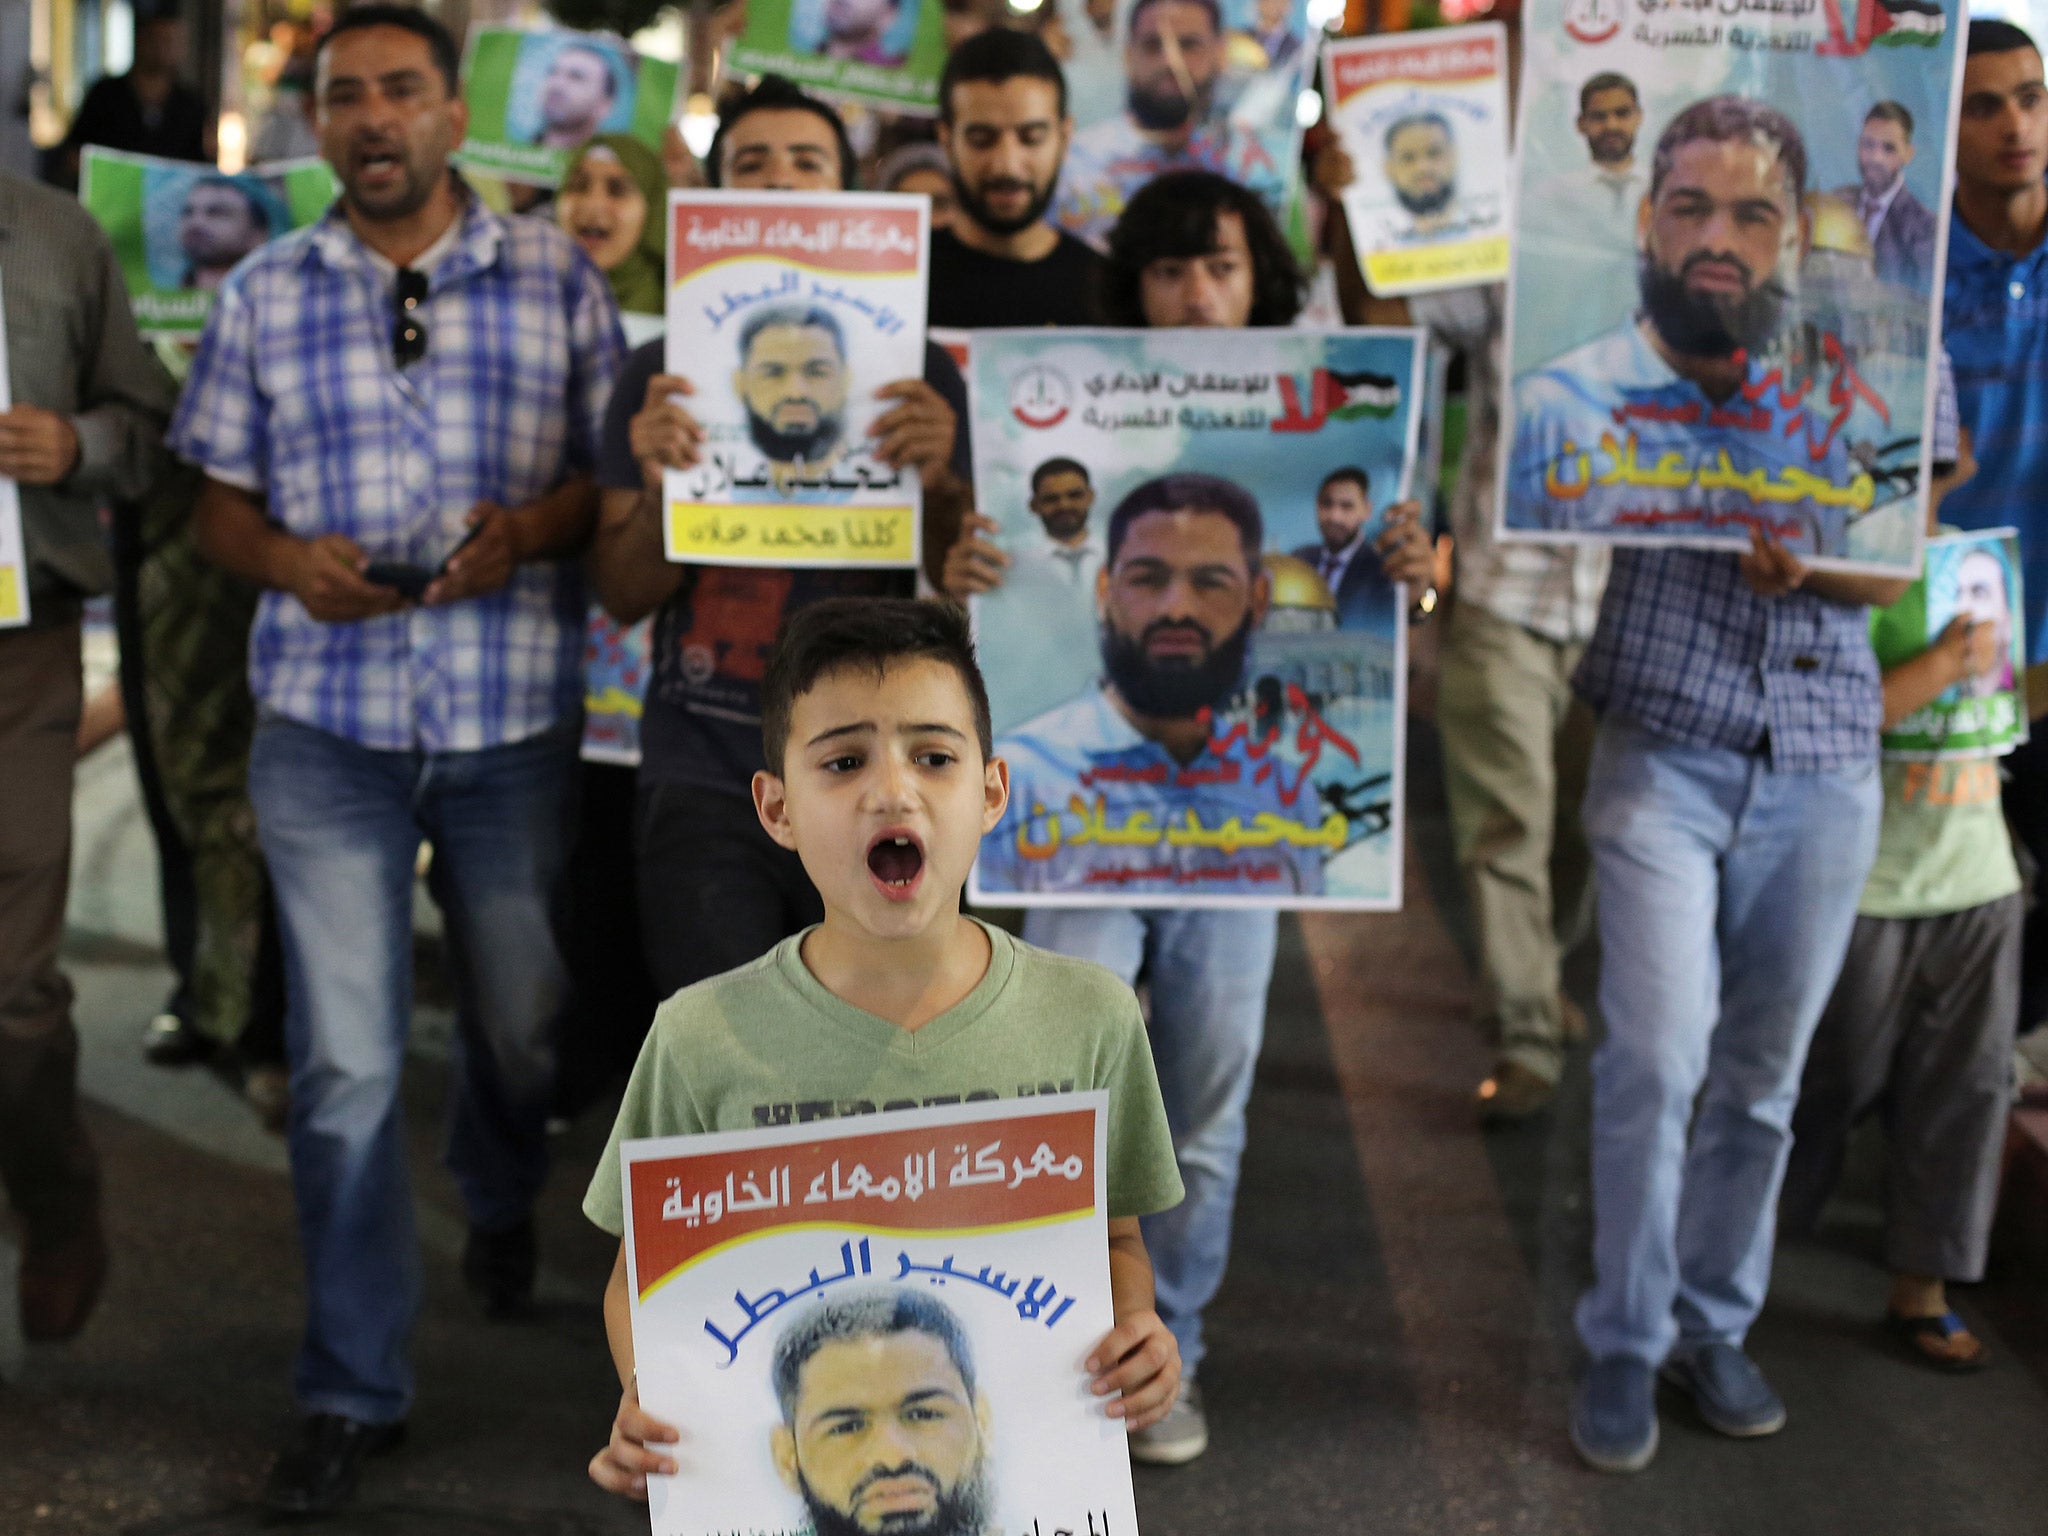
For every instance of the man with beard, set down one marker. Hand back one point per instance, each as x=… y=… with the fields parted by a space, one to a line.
x=792 y=381
x=1732 y=802
x=1173 y=64
x=884 y=1431
x=1671 y=421
x=1900 y=227
x=576 y=96
x=414 y=378
x=222 y=221
x=1422 y=169
x=1004 y=126
x=715 y=891
x=1181 y=592
x=1357 y=581
x=1062 y=496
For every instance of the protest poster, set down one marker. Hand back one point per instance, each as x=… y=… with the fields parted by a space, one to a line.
x=615 y=668
x=536 y=95
x=1196 y=667
x=1424 y=118
x=1705 y=336
x=1975 y=576
x=885 y=54
x=955 y=1259
x=1214 y=84
x=788 y=311
x=178 y=228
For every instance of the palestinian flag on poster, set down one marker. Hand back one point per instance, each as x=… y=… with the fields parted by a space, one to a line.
x=1348 y=396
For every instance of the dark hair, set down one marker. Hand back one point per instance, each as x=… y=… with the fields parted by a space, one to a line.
x=1191 y=491
x=1726 y=120
x=1174 y=216
x=1060 y=467
x=874 y=1313
x=1215 y=12
x=1606 y=80
x=1419 y=120
x=360 y=18
x=611 y=73
x=867 y=633
x=776 y=93
x=997 y=55
x=1354 y=474
x=796 y=317
x=1989 y=36
x=1891 y=112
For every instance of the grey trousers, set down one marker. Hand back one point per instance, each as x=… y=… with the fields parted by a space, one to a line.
x=1920 y=1030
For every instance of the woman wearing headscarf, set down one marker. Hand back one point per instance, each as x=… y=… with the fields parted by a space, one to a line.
x=613 y=203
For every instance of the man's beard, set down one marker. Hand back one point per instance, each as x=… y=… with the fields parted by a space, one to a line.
x=1610 y=148
x=1166 y=109
x=1065 y=525
x=1700 y=325
x=996 y=224
x=1179 y=690
x=960 y=1511
x=1423 y=204
x=805 y=447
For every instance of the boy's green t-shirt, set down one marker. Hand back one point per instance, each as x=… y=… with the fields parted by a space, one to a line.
x=768 y=1045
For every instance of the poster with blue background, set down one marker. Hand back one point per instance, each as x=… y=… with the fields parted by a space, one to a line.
x=1729 y=249
x=1195 y=664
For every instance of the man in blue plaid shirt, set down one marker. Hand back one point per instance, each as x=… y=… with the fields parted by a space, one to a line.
x=397 y=411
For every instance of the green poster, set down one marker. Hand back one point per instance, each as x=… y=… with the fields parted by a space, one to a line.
x=883 y=53
x=1974 y=577
x=179 y=227
x=535 y=96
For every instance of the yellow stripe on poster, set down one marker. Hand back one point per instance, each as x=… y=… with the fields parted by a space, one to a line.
x=791 y=534
x=1469 y=261
x=12 y=609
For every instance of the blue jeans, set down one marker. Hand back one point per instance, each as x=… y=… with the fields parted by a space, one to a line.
x=341 y=826
x=1209 y=970
x=1727 y=893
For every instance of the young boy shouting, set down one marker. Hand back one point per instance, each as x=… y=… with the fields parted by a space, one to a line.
x=876 y=725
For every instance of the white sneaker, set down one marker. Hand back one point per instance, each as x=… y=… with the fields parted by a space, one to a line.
x=1179 y=1437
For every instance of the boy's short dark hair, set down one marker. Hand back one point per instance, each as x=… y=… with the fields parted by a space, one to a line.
x=407 y=18
x=1000 y=54
x=869 y=633
x=778 y=93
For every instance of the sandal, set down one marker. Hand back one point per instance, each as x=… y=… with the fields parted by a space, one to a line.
x=1925 y=1338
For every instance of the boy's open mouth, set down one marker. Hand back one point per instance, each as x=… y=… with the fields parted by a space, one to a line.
x=896 y=860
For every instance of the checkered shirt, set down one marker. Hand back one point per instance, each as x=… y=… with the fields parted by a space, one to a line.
x=1686 y=650
x=295 y=396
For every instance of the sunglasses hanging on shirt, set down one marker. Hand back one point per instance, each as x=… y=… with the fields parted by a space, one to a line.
x=409 y=332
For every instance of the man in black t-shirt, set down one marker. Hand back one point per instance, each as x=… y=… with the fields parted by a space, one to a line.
x=1004 y=126
x=148 y=111
x=715 y=891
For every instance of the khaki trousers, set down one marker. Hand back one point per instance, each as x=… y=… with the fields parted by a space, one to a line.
x=46 y=1162
x=1516 y=744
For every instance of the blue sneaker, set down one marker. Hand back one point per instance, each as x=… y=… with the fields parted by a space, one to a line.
x=1614 y=1415
x=1729 y=1391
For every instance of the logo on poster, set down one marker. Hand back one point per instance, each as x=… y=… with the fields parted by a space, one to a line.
x=1593 y=21
x=1040 y=397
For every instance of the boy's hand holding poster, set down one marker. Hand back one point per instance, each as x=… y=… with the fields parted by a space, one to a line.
x=1424 y=118
x=1212 y=84
x=1727 y=276
x=536 y=96
x=883 y=53
x=880 y=1323
x=788 y=311
x=178 y=228
x=1196 y=665
x=1972 y=579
